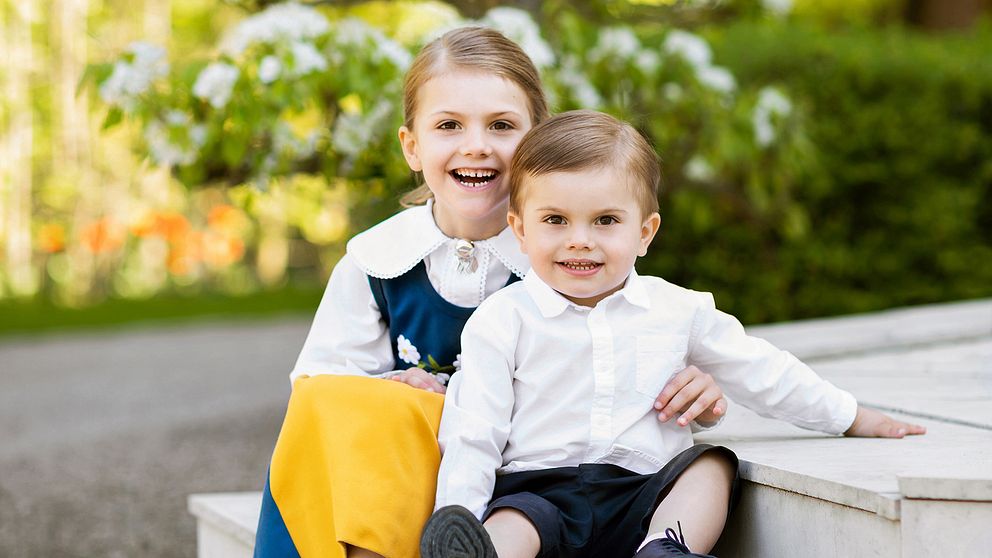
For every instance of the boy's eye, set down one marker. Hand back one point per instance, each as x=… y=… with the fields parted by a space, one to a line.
x=448 y=125
x=554 y=220
x=607 y=220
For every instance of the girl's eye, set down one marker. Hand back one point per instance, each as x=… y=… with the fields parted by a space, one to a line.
x=448 y=125
x=554 y=220
x=607 y=220
x=502 y=125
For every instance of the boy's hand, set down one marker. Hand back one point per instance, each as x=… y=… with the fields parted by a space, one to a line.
x=419 y=379
x=693 y=394
x=869 y=423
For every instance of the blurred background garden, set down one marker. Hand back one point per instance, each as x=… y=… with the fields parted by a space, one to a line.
x=173 y=157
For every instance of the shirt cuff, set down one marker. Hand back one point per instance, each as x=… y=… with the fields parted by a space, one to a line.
x=697 y=426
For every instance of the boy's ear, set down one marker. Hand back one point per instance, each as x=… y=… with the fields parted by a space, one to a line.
x=516 y=223
x=648 y=229
x=409 y=144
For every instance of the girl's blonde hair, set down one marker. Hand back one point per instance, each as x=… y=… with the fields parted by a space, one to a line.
x=477 y=49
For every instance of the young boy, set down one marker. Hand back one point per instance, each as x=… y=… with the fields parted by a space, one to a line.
x=549 y=431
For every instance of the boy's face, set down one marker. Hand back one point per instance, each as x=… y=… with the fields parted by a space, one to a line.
x=582 y=231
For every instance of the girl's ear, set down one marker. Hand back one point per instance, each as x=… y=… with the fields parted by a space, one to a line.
x=409 y=144
x=648 y=229
x=516 y=223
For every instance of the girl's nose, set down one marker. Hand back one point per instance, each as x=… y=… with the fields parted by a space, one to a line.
x=476 y=144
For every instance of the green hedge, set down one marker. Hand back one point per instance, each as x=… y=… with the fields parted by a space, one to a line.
x=900 y=202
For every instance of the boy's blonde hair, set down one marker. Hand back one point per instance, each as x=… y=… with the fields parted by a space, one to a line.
x=476 y=49
x=584 y=139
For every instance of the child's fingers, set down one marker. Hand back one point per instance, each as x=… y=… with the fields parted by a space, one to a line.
x=706 y=399
x=685 y=397
x=674 y=386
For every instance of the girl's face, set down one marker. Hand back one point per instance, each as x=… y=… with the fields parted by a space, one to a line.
x=466 y=127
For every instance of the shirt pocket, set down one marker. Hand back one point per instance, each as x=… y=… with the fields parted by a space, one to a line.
x=658 y=358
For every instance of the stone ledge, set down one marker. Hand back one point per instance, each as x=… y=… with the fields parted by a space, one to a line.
x=901 y=327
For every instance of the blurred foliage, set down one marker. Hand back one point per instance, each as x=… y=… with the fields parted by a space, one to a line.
x=900 y=205
x=806 y=172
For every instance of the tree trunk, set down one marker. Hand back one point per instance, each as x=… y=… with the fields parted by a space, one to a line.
x=940 y=15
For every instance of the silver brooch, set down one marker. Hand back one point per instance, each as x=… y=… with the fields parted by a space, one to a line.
x=465 y=251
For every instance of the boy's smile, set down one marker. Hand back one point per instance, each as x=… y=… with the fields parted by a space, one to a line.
x=582 y=230
x=466 y=127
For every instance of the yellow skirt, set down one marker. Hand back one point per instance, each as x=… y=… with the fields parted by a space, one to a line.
x=356 y=463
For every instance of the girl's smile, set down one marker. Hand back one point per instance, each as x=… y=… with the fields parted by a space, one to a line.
x=466 y=127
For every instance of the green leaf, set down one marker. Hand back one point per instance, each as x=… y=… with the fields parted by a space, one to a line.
x=114 y=117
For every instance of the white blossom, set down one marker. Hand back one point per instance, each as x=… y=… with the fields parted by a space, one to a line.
x=215 y=83
x=778 y=7
x=395 y=53
x=717 y=78
x=692 y=48
x=519 y=27
x=572 y=77
x=269 y=69
x=306 y=58
x=672 y=92
x=771 y=102
x=699 y=169
x=160 y=133
x=407 y=352
x=354 y=131
x=647 y=61
x=353 y=33
x=133 y=75
x=280 y=22
x=615 y=42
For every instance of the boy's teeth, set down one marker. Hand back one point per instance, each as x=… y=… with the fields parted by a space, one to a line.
x=580 y=266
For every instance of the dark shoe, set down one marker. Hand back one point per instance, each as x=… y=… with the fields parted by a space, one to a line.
x=454 y=532
x=670 y=546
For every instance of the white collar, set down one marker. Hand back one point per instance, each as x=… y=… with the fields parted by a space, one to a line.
x=551 y=303
x=399 y=243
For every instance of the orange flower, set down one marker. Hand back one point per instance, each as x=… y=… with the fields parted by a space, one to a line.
x=221 y=250
x=51 y=238
x=172 y=225
x=184 y=254
x=226 y=218
x=102 y=236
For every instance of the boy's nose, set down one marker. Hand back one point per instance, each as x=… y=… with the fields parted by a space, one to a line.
x=476 y=144
x=580 y=239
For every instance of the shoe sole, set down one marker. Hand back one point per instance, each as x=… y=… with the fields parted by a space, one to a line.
x=453 y=532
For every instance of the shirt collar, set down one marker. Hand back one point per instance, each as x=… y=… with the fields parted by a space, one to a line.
x=399 y=243
x=551 y=303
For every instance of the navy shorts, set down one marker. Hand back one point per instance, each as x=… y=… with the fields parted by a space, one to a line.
x=594 y=510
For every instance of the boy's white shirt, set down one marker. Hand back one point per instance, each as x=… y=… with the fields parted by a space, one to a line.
x=546 y=383
x=347 y=335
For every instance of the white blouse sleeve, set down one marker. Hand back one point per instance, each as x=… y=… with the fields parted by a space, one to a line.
x=348 y=336
x=765 y=379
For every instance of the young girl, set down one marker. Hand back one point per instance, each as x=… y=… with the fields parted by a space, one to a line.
x=355 y=467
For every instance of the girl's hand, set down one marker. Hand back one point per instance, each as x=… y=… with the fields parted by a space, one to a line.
x=869 y=423
x=694 y=395
x=419 y=379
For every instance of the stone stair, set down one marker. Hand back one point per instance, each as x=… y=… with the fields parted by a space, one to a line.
x=812 y=495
